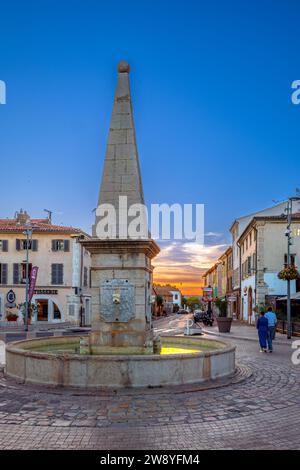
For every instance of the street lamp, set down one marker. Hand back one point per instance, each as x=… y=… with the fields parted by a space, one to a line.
x=289 y=211
x=28 y=233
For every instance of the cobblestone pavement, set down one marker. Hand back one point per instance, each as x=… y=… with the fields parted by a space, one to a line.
x=259 y=408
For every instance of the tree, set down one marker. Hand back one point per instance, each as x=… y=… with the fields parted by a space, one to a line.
x=183 y=301
x=193 y=302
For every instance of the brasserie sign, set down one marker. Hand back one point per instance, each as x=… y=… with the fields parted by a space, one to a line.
x=45 y=292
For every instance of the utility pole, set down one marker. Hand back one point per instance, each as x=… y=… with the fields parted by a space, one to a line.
x=289 y=211
x=28 y=233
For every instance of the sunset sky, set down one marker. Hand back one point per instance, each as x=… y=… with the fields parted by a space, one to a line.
x=182 y=264
x=211 y=89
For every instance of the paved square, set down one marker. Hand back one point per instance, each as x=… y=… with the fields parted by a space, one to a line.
x=259 y=409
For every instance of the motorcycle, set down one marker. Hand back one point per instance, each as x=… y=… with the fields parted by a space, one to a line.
x=204 y=317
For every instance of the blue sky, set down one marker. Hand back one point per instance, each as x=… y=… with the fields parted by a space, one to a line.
x=211 y=86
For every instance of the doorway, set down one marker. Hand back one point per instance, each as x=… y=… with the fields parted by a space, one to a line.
x=42 y=310
x=48 y=310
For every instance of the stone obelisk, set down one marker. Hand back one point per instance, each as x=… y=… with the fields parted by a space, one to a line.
x=121 y=272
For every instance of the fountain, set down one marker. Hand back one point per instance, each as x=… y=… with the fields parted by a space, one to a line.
x=121 y=350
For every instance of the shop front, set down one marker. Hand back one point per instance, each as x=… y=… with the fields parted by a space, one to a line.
x=48 y=306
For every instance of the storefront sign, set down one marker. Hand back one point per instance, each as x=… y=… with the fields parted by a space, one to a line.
x=45 y=292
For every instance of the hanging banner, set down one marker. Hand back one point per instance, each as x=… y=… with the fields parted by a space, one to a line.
x=32 y=281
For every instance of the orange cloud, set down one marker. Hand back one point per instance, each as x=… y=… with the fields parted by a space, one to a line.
x=183 y=264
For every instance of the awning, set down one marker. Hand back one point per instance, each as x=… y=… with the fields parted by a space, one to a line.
x=295 y=296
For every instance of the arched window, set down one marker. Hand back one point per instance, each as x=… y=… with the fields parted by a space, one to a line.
x=56 y=312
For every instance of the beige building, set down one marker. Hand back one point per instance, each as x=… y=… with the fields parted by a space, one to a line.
x=263 y=248
x=236 y=229
x=62 y=291
x=219 y=277
x=213 y=278
x=226 y=263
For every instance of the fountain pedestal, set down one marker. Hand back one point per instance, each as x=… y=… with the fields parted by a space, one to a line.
x=121 y=281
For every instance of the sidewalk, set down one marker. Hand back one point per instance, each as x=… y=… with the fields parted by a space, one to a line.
x=244 y=332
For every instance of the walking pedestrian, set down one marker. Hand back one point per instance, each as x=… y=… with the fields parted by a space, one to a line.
x=262 y=327
x=272 y=320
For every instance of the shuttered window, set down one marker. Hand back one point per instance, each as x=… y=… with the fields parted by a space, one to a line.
x=21 y=245
x=3 y=245
x=249 y=266
x=85 y=276
x=3 y=273
x=16 y=273
x=34 y=245
x=57 y=274
x=254 y=261
x=60 y=245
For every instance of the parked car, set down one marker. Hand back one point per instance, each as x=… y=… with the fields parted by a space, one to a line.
x=182 y=312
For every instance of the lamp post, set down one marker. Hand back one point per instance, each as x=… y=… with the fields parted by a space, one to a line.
x=28 y=233
x=289 y=211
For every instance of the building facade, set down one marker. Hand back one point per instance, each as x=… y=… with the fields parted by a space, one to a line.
x=62 y=291
x=236 y=229
x=263 y=247
x=250 y=266
x=169 y=294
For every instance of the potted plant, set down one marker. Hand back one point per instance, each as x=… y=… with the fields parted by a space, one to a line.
x=289 y=273
x=11 y=316
x=224 y=322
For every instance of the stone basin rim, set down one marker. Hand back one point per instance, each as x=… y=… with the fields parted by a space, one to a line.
x=13 y=347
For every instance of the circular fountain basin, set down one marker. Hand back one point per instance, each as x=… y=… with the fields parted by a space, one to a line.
x=55 y=361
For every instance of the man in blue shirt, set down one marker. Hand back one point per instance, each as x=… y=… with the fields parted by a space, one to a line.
x=272 y=320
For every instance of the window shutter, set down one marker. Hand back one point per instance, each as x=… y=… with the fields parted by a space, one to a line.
x=18 y=244
x=60 y=273
x=4 y=245
x=249 y=266
x=54 y=245
x=57 y=274
x=53 y=273
x=4 y=273
x=66 y=245
x=34 y=245
x=16 y=275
